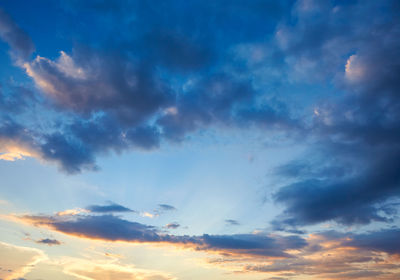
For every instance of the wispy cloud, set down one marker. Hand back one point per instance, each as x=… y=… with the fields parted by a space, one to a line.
x=16 y=261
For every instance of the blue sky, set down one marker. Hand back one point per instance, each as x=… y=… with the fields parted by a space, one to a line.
x=199 y=139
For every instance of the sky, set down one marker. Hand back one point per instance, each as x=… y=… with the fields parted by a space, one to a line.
x=166 y=140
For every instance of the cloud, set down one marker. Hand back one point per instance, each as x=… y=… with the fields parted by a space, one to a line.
x=111 y=208
x=232 y=222
x=16 y=99
x=381 y=241
x=254 y=244
x=326 y=254
x=100 y=82
x=48 y=241
x=12 y=151
x=71 y=212
x=92 y=270
x=20 y=42
x=113 y=228
x=166 y=207
x=329 y=255
x=354 y=200
x=135 y=113
x=350 y=174
x=16 y=261
x=161 y=209
x=159 y=83
x=172 y=226
x=16 y=142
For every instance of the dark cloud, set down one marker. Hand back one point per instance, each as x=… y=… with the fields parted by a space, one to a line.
x=232 y=222
x=172 y=226
x=133 y=87
x=111 y=208
x=91 y=82
x=338 y=255
x=385 y=240
x=253 y=244
x=20 y=42
x=15 y=99
x=352 y=174
x=354 y=200
x=48 y=241
x=166 y=207
x=144 y=137
x=222 y=99
x=108 y=227
x=306 y=169
x=70 y=153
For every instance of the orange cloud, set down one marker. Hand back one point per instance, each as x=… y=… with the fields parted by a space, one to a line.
x=106 y=270
x=12 y=150
x=16 y=261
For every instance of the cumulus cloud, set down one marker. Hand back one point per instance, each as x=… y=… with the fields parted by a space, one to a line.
x=356 y=199
x=134 y=93
x=100 y=82
x=351 y=174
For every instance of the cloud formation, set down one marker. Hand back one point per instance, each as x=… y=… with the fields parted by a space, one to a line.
x=230 y=69
x=113 y=228
x=135 y=93
x=351 y=175
x=325 y=254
